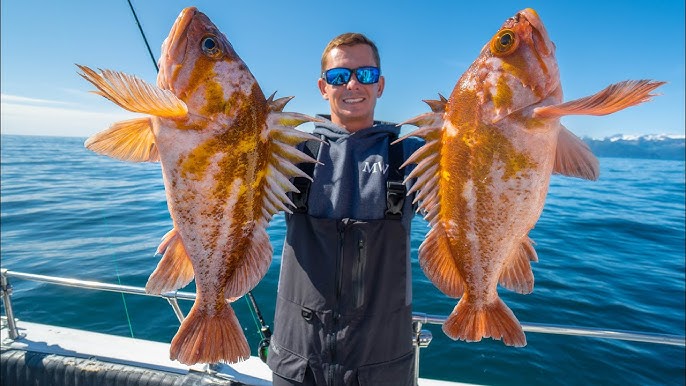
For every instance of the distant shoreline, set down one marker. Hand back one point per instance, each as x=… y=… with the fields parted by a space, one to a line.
x=644 y=147
x=649 y=146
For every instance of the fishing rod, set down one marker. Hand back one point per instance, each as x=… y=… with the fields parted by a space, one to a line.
x=154 y=62
x=265 y=331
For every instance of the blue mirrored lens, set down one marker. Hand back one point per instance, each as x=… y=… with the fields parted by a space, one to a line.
x=338 y=76
x=367 y=75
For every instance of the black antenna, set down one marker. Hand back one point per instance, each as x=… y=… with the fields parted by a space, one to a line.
x=157 y=69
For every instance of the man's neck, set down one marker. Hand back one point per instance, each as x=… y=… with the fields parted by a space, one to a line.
x=353 y=125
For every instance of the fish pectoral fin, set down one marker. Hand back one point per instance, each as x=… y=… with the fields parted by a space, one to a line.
x=134 y=94
x=209 y=338
x=438 y=264
x=131 y=140
x=516 y=274
x=256 y=260
x=495 y=320
x=613 y=98
x=174 y=269
x=574 y=158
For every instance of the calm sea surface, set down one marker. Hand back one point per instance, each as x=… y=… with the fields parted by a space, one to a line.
x=611 y=256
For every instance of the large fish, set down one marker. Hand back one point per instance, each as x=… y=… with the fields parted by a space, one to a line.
x=484 y=172
x=227 y=154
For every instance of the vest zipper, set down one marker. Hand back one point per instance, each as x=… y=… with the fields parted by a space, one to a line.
x=358 y=280
x=336 y=306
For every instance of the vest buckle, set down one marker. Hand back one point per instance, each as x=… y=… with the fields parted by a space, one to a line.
x=395 y=199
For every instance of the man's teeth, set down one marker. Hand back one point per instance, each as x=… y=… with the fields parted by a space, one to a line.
x=353 y=100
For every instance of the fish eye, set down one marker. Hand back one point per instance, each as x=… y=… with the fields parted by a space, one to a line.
x=210 y=47
x=503 y=42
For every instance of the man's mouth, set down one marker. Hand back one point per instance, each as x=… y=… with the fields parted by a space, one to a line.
x=353 y=100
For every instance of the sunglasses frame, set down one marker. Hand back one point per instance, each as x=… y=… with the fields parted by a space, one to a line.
x=352 y=71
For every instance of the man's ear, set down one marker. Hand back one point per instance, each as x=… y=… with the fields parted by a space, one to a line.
x=322 y=88
x=382 y=83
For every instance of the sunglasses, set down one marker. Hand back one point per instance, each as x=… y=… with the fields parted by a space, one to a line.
x=339 y=76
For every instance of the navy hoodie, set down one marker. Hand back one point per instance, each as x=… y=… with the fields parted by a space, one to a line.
x=350 y=182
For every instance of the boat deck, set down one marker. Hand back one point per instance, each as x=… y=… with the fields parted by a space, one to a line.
x=63 y=356
x=41 y=354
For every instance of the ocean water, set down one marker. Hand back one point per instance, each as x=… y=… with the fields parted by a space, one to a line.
x=611 y=256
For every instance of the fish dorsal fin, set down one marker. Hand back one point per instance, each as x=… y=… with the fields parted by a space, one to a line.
x=134 y=94
x=427 y=159
x=611 y=99
x=131 y=140
x=279 y=104
x=516 y=274
x=435 y=256
x=437 y=106
x=282 y=137
x=174 y=270
x=573 y=157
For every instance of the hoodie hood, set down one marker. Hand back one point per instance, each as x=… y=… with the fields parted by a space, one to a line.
x=335 y=133
x=350 y=179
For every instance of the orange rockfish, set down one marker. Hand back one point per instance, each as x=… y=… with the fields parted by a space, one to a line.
x=484 y=172
x=227 y=154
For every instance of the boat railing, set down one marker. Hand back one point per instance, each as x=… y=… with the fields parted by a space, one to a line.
x=422 y=338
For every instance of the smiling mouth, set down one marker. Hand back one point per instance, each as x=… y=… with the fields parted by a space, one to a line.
x=353 y=100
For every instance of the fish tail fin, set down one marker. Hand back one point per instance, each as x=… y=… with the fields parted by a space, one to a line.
x=204 y=338
x=494 y=320
x=613 y=98
x=174 y=270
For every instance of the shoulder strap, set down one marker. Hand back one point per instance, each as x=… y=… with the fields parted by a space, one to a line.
x=395 y=188
x=301 y=183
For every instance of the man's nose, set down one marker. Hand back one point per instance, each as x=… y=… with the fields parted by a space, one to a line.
x=353 y=83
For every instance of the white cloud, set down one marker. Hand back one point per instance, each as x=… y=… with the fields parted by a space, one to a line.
x=25 y=100
x=32 y=116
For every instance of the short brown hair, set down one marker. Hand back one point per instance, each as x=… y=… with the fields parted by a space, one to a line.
x=350 y=39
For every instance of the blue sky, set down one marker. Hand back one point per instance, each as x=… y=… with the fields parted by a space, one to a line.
x=425 y=47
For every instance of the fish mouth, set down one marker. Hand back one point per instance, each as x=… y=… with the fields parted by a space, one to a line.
x=540 y=35
x=178 y=34
x=175 y=46
x=544 y=48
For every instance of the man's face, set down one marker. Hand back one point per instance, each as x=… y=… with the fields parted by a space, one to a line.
x=352 y=104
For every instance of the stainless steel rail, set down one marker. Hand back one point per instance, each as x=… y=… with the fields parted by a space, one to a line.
x=419 y=318
x=675 y=340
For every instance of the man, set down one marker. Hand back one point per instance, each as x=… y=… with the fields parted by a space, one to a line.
x=343 y=313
